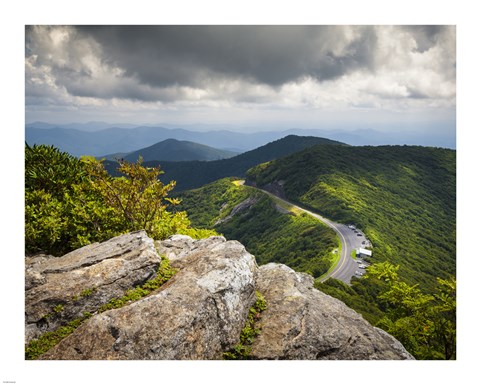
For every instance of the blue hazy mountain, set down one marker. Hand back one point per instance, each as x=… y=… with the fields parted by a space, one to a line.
x=98 y=139
x=174 y=150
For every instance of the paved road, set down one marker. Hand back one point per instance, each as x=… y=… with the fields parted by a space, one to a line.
x=350 y=239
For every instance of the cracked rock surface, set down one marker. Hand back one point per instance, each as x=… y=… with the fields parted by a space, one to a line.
x=303 y=323
x=200 y=312
x=59 y=289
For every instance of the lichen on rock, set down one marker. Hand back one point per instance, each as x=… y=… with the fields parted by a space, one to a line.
x=197 y=315
x=82 y=280
x=201 y=312
x=304 y=323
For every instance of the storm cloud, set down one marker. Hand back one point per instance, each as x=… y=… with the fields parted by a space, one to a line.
x=272 y=55
x=320 y=67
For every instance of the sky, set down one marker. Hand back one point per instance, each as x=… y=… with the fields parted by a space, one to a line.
x=252 y=77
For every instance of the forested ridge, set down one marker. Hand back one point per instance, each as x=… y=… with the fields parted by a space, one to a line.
x=176 y=150
x=402 y=197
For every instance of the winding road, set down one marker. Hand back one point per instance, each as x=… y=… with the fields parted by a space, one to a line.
x=351 y=239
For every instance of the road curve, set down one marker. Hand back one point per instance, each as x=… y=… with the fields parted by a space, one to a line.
x=350 y=240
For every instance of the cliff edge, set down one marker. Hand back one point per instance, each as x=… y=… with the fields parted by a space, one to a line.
x=199 y=314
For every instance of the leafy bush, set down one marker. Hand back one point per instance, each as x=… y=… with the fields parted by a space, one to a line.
x=138 y=200
x=44 y=222
x=70 y=203
x=50 y=170
x=425 y=324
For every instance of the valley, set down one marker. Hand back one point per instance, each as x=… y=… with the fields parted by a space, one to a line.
x=271 y=230
x=401 y=201
x=351 y=239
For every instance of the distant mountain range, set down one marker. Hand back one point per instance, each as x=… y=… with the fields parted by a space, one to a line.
x=98 y=139
x=125 y=140
x=193 y=174
x=174 y=150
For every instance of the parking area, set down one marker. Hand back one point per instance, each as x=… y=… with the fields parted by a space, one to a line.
x=360 y=243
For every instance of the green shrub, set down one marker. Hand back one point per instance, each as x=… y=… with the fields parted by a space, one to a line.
x=425 y=324
x=50 y=170
x=70 y=203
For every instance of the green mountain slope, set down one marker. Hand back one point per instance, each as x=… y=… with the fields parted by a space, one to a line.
x=271 y=232
x=403 y=198
x=176 y=150
x=194 y=174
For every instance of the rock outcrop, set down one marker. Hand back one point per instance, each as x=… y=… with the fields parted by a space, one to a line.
x=200 y=312
x=304 y=323
x=243 y=206
x=59 y=289
x=197 y=315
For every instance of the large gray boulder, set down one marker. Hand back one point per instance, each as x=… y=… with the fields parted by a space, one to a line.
x=198 y=314
x=59 y=289
x=304 y=323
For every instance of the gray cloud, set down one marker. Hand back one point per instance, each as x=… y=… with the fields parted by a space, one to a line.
x=426 y=36
x=250 y=64
x=272 y=55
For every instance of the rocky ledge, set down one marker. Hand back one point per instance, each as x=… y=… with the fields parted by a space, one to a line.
x=198 y=314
